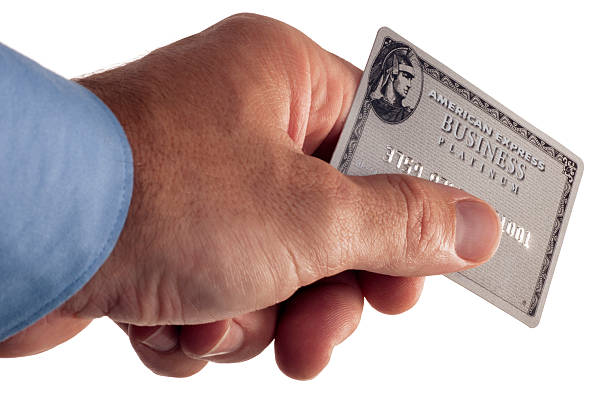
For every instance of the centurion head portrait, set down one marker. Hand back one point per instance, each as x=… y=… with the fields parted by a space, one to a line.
x=395 y=83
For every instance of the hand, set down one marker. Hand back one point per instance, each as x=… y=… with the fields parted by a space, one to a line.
x=238 y=231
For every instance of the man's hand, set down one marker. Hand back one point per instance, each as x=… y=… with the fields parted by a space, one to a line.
x=239 y=232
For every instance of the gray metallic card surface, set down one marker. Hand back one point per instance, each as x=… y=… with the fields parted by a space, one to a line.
x=412 y=115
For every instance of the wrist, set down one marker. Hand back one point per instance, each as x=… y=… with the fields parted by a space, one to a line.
x=96 y=298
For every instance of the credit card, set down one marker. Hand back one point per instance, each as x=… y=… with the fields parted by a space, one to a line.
x=413 y=115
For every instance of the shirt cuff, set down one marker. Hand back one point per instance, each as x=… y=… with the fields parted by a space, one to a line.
x=66 y=178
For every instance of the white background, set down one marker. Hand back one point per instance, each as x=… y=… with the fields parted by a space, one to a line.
x=453 y=352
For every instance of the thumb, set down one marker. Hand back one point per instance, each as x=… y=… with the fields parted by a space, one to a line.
x=409 y=226
x=402 y=225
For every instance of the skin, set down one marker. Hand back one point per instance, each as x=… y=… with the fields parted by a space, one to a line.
x=239 y=232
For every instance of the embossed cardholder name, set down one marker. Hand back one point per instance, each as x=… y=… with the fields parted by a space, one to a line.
x=412 y=115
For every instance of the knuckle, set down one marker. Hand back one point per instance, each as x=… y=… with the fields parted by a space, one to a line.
x=245 y=17
x=424 y=217
x=248 y=27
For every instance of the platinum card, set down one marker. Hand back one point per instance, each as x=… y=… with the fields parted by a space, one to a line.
x=412 y=115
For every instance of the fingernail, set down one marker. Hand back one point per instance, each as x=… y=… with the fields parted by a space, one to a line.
x=476 y=230
x=163 y=339
x=232 y=340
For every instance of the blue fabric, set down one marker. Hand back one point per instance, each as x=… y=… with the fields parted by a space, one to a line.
x=66 y=176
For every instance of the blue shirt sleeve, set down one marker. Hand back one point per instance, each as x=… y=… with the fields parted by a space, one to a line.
x=66 y=174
